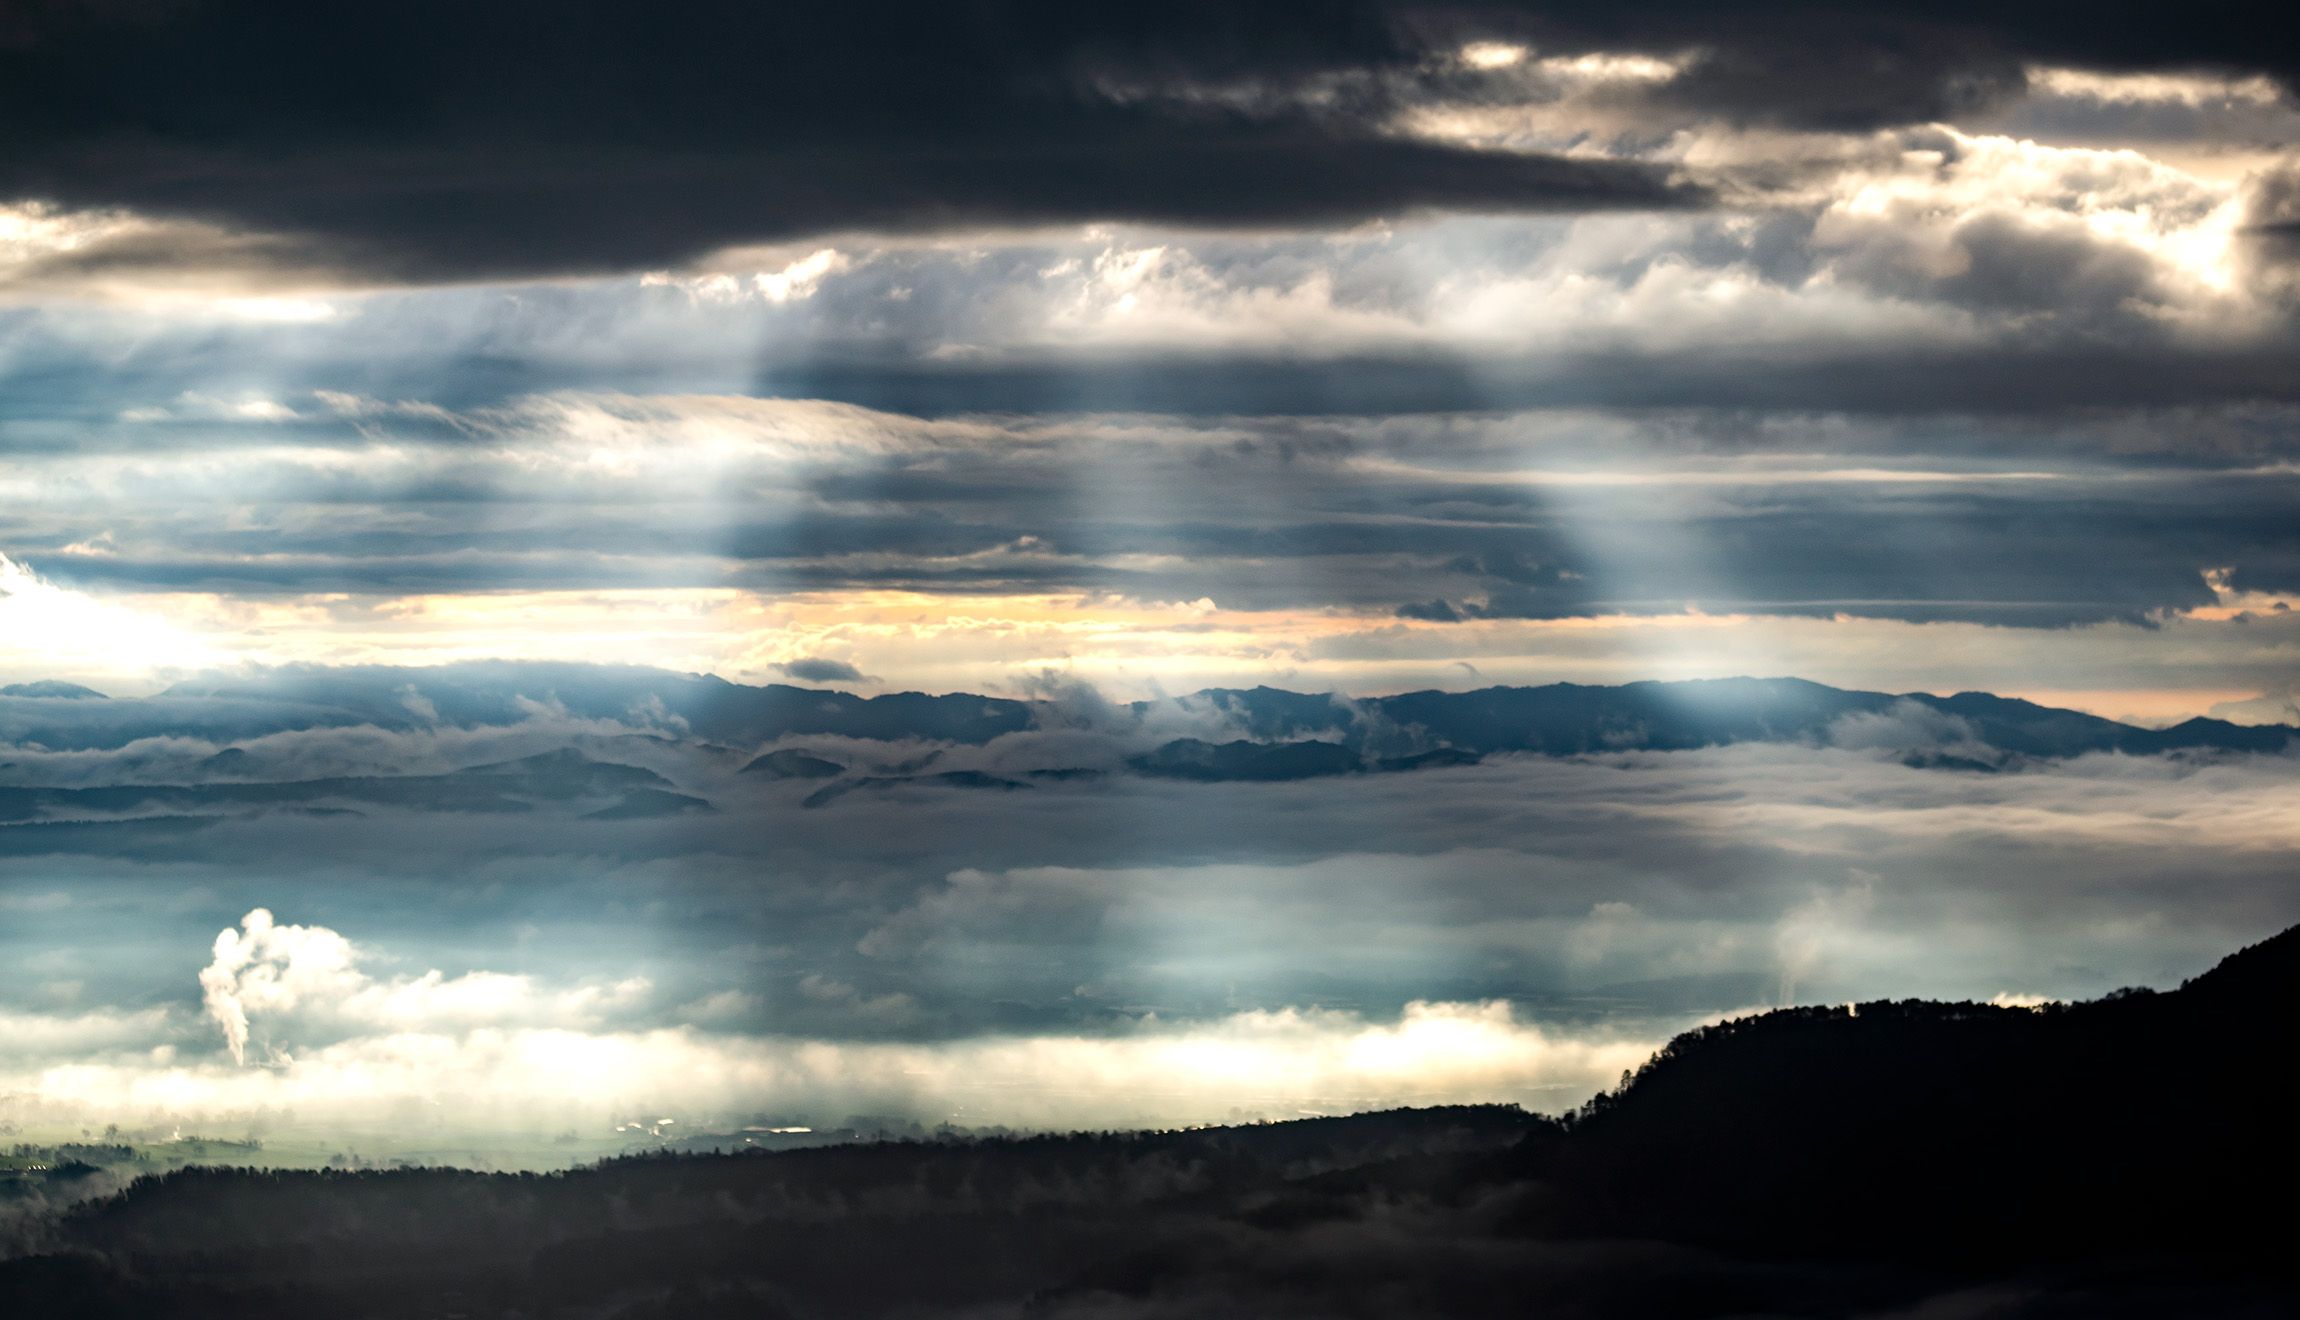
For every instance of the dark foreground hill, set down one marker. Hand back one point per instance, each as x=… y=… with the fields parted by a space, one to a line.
x=2128 y=1157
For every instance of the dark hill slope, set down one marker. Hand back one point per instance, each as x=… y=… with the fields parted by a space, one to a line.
x=1987 y=1136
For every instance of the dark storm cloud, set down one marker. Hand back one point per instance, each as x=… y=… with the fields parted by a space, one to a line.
x=447 y=141
x=1914 y=379
x=1847 y=65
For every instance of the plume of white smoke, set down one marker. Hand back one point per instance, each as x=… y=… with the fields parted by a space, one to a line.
x=264 y=966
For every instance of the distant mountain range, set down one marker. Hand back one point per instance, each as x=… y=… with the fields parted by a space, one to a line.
x=2122 y=1158
x=1558 y=719
x=623 y=744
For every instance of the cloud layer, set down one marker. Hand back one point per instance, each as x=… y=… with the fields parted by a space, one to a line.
x=541 y=916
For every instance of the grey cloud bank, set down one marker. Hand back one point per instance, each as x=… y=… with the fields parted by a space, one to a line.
x=1529 y=517
x=438 y=142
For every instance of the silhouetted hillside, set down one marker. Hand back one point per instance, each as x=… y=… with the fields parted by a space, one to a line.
x=1904 y=1158
x=1983 y=1135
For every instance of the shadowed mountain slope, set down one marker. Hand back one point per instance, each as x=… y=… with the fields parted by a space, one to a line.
x=1973 y=1133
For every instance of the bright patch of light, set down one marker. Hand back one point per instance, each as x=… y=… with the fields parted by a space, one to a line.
x=288 y=311
x=1492 y=54
x=52 y=631
x=2183 y=89
x=1606 y=68
x=800 y=278
x=795 y=281
x=2184 y=223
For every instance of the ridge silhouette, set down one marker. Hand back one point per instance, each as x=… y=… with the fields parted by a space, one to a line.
x=1989 y=1135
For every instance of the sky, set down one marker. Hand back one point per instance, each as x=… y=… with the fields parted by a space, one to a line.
x=1088 y=355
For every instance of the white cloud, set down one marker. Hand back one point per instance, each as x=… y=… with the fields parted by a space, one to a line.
x=309 y=977
x=796 y=280
x=2187 y=89
x=498 y=1080
x=47 y=630
x=1492 y=54
x=2276 y=706
x=487 y=1053
x=150 y=266
x=57 y=1038
x=1922 y=212
x=1908 y=727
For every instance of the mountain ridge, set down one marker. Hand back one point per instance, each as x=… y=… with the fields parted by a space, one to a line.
x=1552 y=719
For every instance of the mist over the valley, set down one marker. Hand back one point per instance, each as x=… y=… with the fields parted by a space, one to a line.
x=528 y=914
